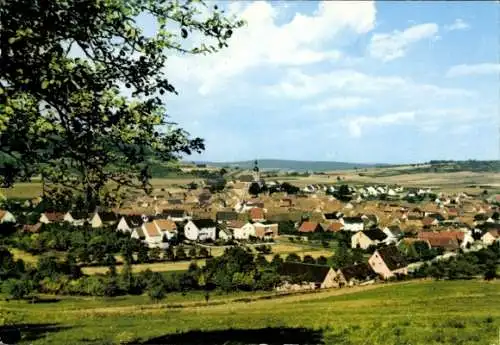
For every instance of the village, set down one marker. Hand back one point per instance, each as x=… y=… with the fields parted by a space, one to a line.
x=394 y=229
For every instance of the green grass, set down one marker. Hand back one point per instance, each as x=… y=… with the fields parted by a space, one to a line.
x=417 y=313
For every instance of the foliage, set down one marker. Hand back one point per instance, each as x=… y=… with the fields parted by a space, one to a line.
x=65 y=113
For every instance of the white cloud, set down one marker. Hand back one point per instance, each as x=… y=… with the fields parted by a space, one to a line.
x=477 y=69
x=299 y=85
x=338 y=103
x=262 y=42
x=356 y=125
x=391 y=46
x=458 y=24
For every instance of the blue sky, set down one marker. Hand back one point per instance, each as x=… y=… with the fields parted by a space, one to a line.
x=387 y=82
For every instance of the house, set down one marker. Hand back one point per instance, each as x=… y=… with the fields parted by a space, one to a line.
x=308 y=226
x=355 y=275
x=200 y=230
x=33 y=228
x=100 y=218
x=353 y=223
x=490 y=237
x=266 y=229
x=174 y=201
x=128 y=222
x=335 y=227
x=174 y=214
x=6 y=217
x=388 y=262
x=51 y=217
x=167 y=227
x=298 y=276
x=241 y=230
x=448 y=240
x=225 y=216
x=366 y=238
x=393 y=232
x=257 y=214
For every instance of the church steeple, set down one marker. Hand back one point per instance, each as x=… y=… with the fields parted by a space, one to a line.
x=256 y=175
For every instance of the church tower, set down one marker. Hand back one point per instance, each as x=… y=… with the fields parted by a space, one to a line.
x=256 y=174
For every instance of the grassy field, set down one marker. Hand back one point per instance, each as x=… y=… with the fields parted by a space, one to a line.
x=416 y=313
x=281 y=248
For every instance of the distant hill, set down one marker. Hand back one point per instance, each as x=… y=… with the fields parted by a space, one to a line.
x=290 y=165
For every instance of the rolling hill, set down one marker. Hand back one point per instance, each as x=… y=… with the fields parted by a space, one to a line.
x=279 y=164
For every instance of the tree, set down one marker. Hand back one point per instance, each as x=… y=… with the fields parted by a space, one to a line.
x=308 y=259
x=156 y=287
x=67 y=115
x=254 y=189
x=321 y=260
x=292 y=257
x=180 y=254
x=204 y=252
x=192 y=252
x=154 y=254
x=169 y=253
x=142 y=254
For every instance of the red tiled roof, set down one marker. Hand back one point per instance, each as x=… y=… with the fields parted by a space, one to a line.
x=335 y=227
x=166 y=224
x=257 y=213
x=445 y=239
x=428 y=221
x=151 y=229
x=308 y=227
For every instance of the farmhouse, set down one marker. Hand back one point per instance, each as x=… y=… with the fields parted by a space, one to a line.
x=355 y=275
x=388 y=262
x=300 y=276
x=366 y=238
x=33 y=228
x=448 y=240
x=6 y=217
x=200 y=230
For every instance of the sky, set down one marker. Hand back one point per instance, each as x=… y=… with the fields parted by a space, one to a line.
x=371 y=82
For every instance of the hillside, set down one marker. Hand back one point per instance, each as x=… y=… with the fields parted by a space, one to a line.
x=281 y=164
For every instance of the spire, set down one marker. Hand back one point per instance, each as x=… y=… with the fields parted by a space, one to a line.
x=256 y=175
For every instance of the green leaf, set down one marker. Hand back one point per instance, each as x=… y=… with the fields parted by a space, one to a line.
x=45 y=84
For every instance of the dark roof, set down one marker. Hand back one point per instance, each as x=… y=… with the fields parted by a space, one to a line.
x=173 y=213
x=396 y=230
x=334 y=215
x=481 y=216
x=133 y=220
x=77 y=215
x=359 y=272
x=308 y=272
x=489 y=226
x=375 y=234
x=107 y=216
x=353 y=220
x=226 y=215
x=204 y=223
x=437 y=216
x=392 y=257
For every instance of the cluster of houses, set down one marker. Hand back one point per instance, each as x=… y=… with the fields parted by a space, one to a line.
x=161 y=228
x=386 y=263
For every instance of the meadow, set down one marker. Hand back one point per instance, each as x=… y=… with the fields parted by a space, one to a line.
x=416 y=313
